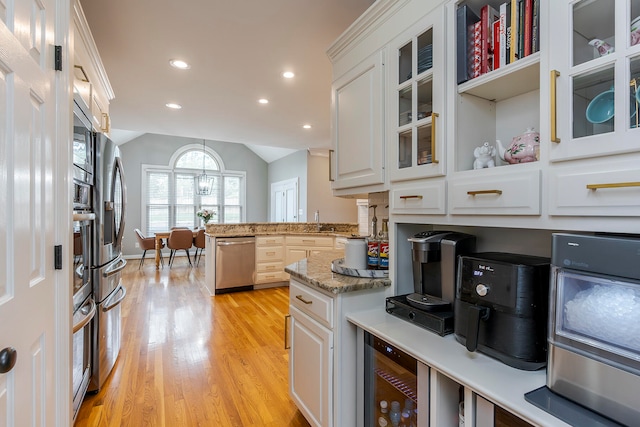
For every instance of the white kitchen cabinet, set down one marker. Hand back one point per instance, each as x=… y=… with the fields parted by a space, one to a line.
x=358 y=125
x=590 y=87
x=301 y=247
x=310 y=368
x=270 y=256
x=416 y=100
x=594 y=153
x=90 y=81
x=323 y=357
x=498 y=105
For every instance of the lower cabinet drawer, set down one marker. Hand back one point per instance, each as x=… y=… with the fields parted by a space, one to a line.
x=420 y=197
x=275 y=253
x=271 y=276
x=581 y=191
x=311 y=302
x=269 y=267
x=308 y=241
x=515 y=193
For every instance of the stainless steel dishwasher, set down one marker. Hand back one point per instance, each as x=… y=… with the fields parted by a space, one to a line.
x=235 y=264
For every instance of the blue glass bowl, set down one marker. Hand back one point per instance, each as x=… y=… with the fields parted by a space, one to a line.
x=601 y=109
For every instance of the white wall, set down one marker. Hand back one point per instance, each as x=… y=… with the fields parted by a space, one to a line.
x=315 y=189
x=320 y=197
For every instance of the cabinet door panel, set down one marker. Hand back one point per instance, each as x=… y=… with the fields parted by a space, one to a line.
x=358 y=116
x=311 y=369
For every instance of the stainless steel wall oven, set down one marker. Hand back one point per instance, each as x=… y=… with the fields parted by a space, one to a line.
x=84 y=307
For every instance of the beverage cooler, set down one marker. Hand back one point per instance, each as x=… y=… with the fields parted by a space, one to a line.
x=390 y=384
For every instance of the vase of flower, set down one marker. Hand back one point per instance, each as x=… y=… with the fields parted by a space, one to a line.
x=206 y=215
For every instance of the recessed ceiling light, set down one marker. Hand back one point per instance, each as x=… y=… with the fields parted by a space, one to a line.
x=263 y=101
x=178 y=63
x=288 y=75
x=173 y=106
x=306 y=126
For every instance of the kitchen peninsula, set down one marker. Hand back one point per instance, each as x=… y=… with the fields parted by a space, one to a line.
x=276 y=245
x=323 y=361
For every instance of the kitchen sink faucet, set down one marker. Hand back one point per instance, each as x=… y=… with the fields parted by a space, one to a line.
x=317 y=218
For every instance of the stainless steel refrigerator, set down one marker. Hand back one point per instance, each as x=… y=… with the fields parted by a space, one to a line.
x=108 y=290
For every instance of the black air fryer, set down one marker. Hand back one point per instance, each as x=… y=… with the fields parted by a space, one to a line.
x=501 y=307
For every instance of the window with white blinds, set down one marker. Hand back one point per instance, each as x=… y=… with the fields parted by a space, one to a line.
x=171 y=199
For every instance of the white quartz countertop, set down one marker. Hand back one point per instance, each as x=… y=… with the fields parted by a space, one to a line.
x=501 y=384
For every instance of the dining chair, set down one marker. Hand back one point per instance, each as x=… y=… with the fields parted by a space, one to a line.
x=147 y=243
x=198 y=242
x=179 y=238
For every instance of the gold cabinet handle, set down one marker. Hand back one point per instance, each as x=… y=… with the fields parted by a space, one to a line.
x=330 y=168
x=554 y=122
x=270 y=267
x=106 y=120
x=271 y=253
x=433 y=137
x=286 y=332
x=415 y=196
x=475 y=193
x=299 y=297
x=613 y=185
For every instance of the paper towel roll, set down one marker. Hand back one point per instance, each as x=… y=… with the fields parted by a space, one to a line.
x=355 y=254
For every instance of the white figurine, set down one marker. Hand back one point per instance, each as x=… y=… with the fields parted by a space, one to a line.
x=485 y=155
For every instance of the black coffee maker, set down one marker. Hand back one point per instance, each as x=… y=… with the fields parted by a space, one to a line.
x=435 y=255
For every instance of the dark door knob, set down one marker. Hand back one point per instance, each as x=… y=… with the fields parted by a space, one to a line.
x=8 y=358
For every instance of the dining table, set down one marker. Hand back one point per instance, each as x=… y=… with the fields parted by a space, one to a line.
x=159 y=235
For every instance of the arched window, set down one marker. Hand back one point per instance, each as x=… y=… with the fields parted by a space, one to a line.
x=170 y=193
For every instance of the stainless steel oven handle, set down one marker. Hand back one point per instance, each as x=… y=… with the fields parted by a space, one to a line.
x=120 y=264
x=89 y=310
x=112 y=301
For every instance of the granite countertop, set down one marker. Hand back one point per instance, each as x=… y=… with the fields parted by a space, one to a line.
x=315 y=271
x=281 y=228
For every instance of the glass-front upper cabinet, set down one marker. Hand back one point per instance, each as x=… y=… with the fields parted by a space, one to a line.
x=594 y=74
x=416 y=97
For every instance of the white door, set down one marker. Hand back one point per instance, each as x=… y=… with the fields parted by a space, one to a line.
x=28 y=149
x=284 y=201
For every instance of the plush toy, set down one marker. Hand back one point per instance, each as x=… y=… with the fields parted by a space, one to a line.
x=485 y=155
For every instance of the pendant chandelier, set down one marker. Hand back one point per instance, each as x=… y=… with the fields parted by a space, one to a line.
x=204 y=183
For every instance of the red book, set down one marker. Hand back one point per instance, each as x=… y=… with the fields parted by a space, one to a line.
x=477 y=50
x=488 y=15
x=528 y=22
x=496 y=45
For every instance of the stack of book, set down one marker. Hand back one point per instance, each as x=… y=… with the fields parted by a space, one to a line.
x=495 y=38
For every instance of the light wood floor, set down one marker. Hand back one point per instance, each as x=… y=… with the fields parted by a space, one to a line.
x=189 y=359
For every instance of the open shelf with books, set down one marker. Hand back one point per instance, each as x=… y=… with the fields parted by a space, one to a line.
x=498 y=78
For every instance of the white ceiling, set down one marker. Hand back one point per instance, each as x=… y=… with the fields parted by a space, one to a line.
x=238 y=50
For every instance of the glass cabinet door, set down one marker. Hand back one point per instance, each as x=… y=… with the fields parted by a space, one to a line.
x=417 y=99
x=595 y=73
